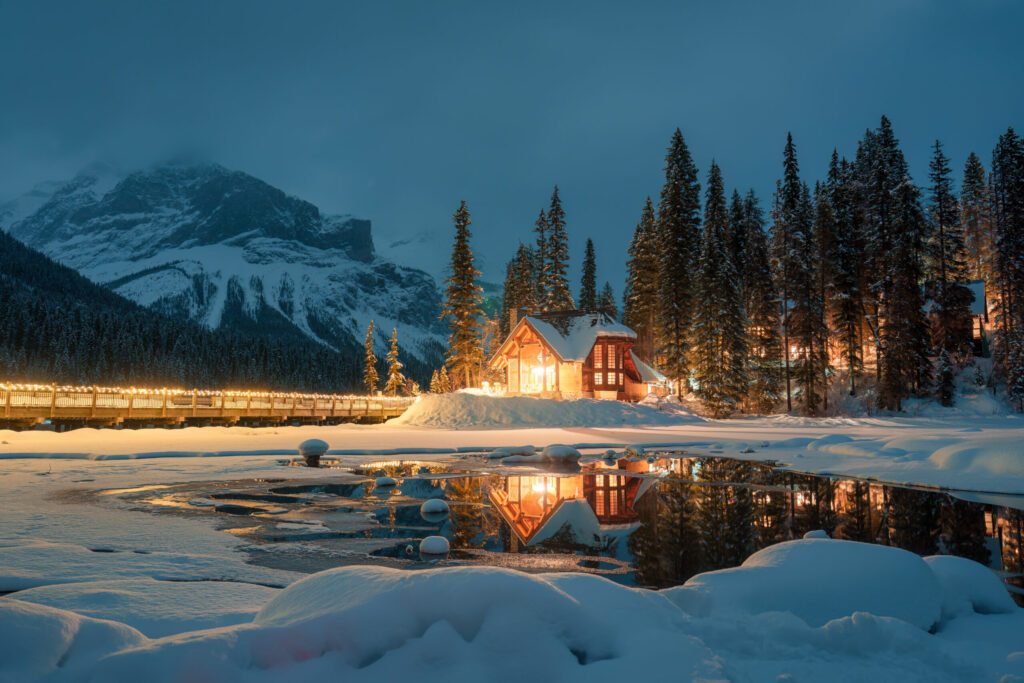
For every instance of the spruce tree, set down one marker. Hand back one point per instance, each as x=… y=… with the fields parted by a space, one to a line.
x=435 y=382
x=557 y=266
x=762 y=306
x=719 y=324
x=737 y=237
x=784 y=254
x=444 y=382
x=678 y=247
x=847 y=253
x=396 y=380
x=1008 y=216
x=606 y=302
x=462 y=305
x=520 y=288
x=588 y=285
x=947 y=274
x=640 y=308
x=540 y=265
x=370 y=378
x=976 y=219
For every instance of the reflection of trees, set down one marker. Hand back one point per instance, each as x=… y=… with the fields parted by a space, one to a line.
x=913 y=520
x=1012 y=534
x=471 y=525
x=855 y=518
x=740 y=513
x=963 y=529
x=775 y=522
x=666 y=547
x=713 y=512
x=815 y=509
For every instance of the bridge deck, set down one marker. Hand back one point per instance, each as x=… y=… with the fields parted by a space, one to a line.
x=34 y=403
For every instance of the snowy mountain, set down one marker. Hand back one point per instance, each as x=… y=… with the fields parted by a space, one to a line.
x=225 y=249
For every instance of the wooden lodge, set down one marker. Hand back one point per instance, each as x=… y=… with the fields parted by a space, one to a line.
x=574 y=355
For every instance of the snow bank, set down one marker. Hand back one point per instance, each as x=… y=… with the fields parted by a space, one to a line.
x=819 y=580
x=36 y=640
x=465 y=411
x=969 y=586
x=465 y=623
x=157 y=608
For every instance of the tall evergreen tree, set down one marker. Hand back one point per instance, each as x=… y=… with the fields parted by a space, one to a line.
x=678 y=245
x=762 y=306
x=540 y=266
x=947 y=274
x=847 y=253
x=588 y=285
x=976 y=219
x=557 y=281
x=520 y=290
x=640 y=309
x=370 y=378
x=462 y=305
x=719 y=324
x=737 y=237
x=396 y=380
x=606 y=302
x=784 y=254
x=1008 y=216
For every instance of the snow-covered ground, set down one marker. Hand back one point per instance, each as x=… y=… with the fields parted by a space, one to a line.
x=108 y=593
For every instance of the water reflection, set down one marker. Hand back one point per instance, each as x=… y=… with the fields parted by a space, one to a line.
x=642 y=521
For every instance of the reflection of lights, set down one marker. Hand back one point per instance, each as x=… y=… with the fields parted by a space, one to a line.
x=164 y=391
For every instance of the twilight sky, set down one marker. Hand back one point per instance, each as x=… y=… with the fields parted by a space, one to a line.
x=397 y=110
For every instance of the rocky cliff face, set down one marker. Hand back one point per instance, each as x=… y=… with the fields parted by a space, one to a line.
x=226 y=249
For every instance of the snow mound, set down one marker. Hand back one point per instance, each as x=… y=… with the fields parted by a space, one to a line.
x=969 y=586
x=819 y=580
x=434 y=545
x=157 y=608
x=36 y=640
x=1000 y=457
x=461 y=623
x=466 y=411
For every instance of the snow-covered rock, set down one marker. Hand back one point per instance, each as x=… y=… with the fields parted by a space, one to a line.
x=819 y=580
x=224 y=248
x=462 y=410
x=434 y=545
x=385 y=482
x=560 y=453
x=434 y=507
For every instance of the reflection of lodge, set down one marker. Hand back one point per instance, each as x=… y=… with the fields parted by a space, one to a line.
x=537 y=507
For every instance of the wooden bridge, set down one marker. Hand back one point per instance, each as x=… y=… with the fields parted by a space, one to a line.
x=23 y=405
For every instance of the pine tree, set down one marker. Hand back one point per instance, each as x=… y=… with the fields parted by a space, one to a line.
x=588 y=286
x=520 y=288
x=606 y=302
x=737 y=237
x=396 y=380
x=435 y=382
x=462 y=305
x=976 y=219
x=719 y=324
x=508 y=298
x=640 y=307
x=540 y=266
x=444 y=382
x=678 y=247
x=847 y=255
x=557 y=281
x=784 y=232
x=947 y=268
x=762 y=307
x=963 y=529
x=1008 y=216
x=370 y=378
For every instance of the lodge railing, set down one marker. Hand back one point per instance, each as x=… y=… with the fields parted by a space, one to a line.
x=28 y=402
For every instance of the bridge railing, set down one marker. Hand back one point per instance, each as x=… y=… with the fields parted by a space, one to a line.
x=22 y=401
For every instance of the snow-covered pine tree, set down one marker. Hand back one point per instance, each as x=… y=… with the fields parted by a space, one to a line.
x=520 y=287
x=540 y=264
x=946 y=275
x=640 y=306
x=845 y=303
x=718 y=347
x=1008 y=216
x=396 y=380
x=976 y=219
x=904 y=364
x=588 y=284
x=737 y=238
x=444 y=382
x=606 y=302
x=762 y=307
x=678 y=250
x=557 y=280
x=371 y=379
x=435 y=382
x=783 y=253
x=462 y=305
x=822 y=249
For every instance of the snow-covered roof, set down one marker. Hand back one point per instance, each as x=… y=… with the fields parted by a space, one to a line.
x=647 y=373
x=581 y=332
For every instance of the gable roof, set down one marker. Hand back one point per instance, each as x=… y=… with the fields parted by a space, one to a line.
x=581 y=332
x=646 y=372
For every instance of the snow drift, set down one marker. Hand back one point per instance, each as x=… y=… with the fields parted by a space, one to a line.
x=467 y=411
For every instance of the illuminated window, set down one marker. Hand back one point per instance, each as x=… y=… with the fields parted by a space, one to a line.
x=598 y=378
x=620 y=379
x=599 y=356
x=611 y=357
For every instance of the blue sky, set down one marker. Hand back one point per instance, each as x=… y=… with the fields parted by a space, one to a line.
x=396 y=111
